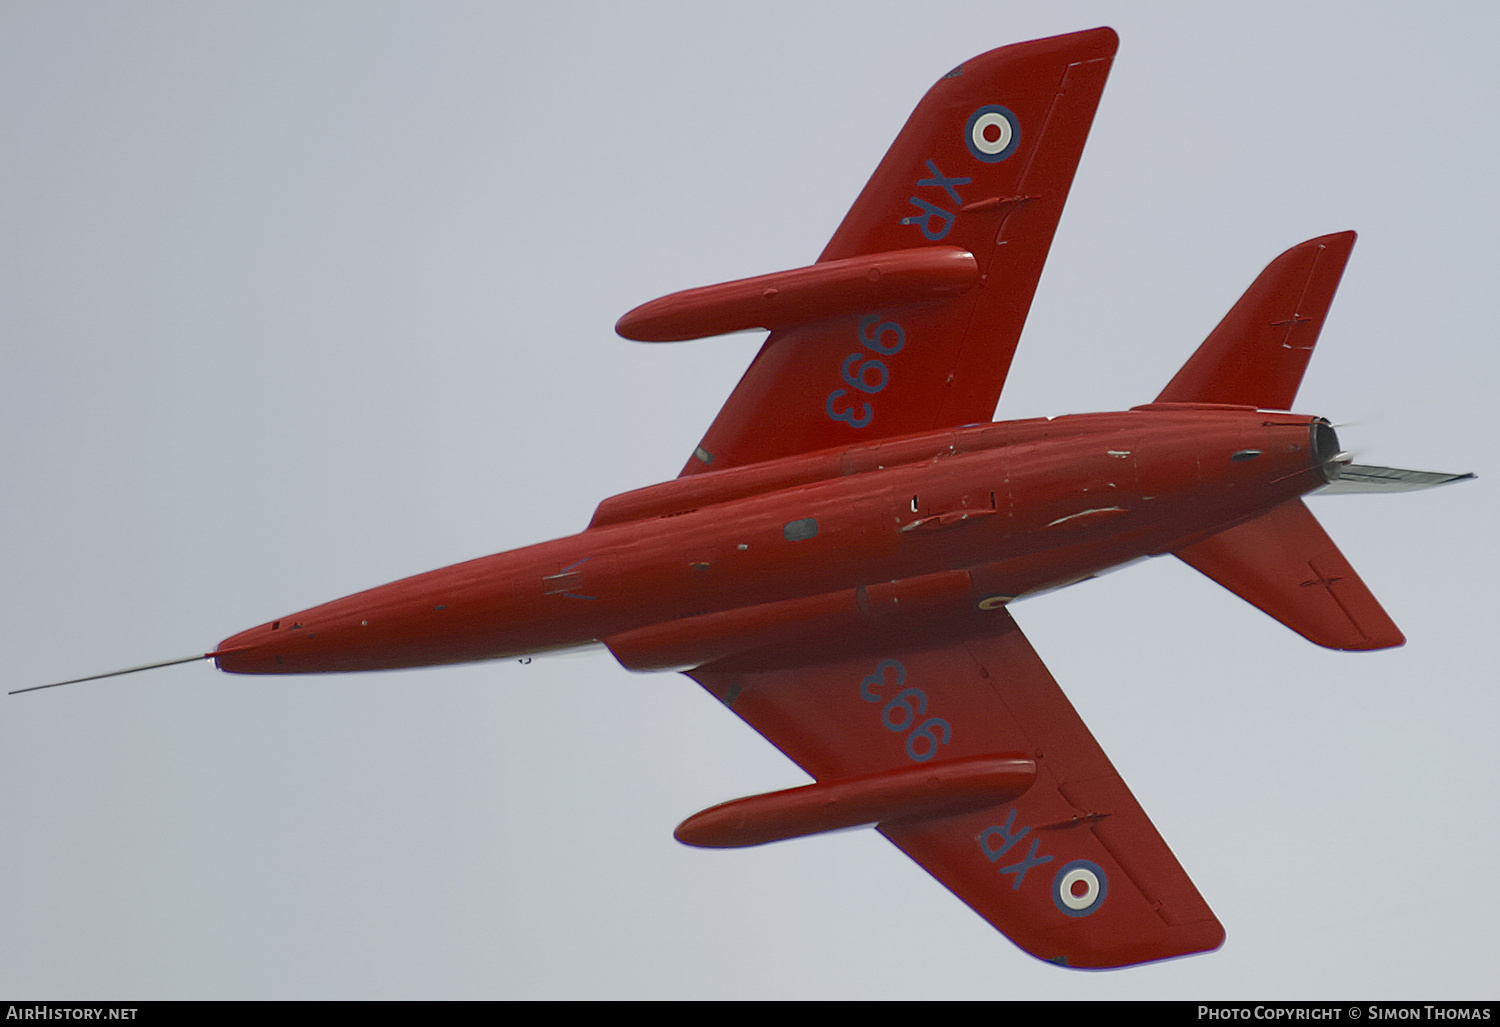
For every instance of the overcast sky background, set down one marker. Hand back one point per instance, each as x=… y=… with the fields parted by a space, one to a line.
x=300 y=298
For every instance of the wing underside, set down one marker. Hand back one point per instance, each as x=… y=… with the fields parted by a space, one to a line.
x=983 y=165
x=1072 y=871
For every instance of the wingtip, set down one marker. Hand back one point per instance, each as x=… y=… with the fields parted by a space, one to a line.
x=1084 y=45
x=1104 y=38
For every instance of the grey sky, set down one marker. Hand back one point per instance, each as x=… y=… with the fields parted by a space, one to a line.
x=302 y=298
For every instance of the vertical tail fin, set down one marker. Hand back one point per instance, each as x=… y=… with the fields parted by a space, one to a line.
x=1258 y=353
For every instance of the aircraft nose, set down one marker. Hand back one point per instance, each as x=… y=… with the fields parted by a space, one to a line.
x=251 y=652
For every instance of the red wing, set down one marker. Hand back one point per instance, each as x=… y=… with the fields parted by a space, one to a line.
x=983 y=164
x=1072 y=871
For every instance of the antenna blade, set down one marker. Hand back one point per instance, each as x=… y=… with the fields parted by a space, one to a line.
x=113 y=673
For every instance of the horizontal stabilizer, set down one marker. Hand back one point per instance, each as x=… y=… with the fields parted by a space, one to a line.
x=1362 y=478
x=1284 y=563
x=1258 y=353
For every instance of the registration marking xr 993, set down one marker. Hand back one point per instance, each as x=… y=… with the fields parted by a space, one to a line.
x=901 y=711
x=866 y=374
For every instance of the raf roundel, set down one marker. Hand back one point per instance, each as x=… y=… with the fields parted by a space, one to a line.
x=1079 y=887
x=992 y=134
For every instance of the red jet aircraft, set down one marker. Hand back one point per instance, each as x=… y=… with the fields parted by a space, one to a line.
x=836 y=561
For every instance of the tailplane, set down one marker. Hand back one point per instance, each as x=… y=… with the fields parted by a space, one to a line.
x=1284 y=563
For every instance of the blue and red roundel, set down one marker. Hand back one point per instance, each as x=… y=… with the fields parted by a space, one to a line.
x=992 y=134
x=1079 y=887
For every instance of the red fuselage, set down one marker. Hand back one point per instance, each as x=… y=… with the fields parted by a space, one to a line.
x=706 y=566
